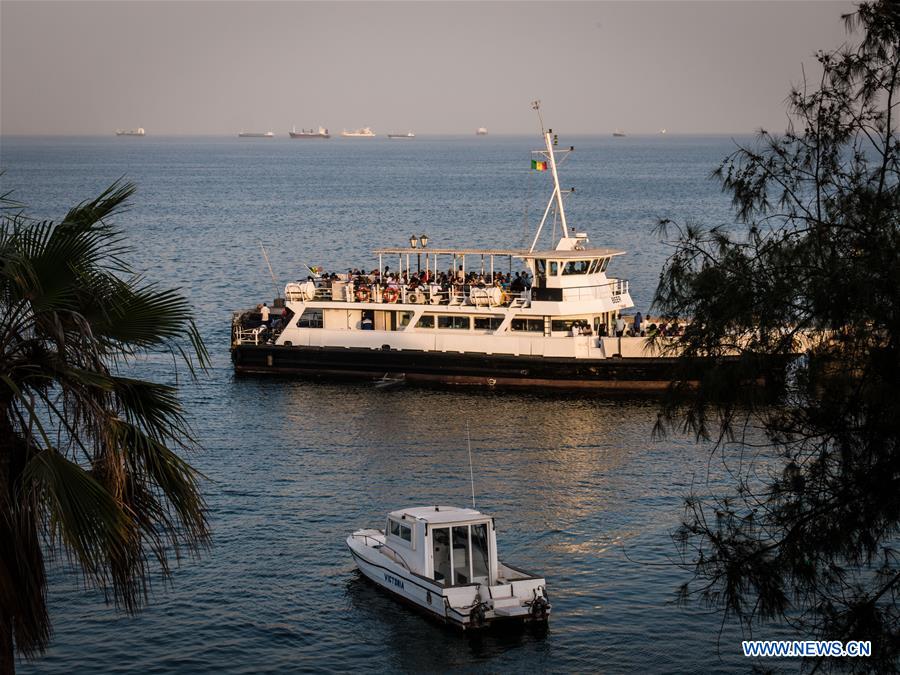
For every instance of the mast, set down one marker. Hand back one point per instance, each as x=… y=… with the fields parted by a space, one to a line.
x=556 y=198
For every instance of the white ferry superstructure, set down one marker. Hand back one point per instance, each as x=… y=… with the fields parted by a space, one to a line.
x=558 y=332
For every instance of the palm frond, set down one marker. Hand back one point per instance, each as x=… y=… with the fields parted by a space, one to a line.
x=95 y=472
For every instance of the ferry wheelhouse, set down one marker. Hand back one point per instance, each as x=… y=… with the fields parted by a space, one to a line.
x=443 y=560
x=490 y=317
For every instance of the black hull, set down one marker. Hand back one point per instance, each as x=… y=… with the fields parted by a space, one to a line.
x=612 y=374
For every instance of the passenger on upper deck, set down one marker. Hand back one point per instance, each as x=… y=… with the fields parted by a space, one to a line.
x=517 y=285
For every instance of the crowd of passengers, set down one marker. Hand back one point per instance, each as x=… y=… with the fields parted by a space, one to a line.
x=637 y=328
x=442 y=282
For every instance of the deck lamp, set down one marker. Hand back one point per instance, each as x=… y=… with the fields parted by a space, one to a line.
x=413 y=241
x=423 y=239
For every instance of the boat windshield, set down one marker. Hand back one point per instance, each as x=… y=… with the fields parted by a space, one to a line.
x=467 y=560
x=461 y=572
x=440 y=538
x=480 y=565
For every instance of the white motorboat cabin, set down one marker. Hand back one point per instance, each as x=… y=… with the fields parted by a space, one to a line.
x=444 y=559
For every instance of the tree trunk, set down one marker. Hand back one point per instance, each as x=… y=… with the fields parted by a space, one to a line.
x=7 y=654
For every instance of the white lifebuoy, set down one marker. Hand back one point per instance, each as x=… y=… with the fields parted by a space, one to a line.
x=495 y=295
x=293 y=292
x=308 y=290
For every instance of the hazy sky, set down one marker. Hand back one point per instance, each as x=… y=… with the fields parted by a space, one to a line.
x=435 y=67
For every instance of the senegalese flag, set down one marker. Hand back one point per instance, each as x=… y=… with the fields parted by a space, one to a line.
x=314 y=270
x=538 y=166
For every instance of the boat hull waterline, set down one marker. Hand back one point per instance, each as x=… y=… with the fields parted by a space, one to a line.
x=633 y=374
x=452 y=605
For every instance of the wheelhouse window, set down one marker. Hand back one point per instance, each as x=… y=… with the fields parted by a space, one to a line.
x=554 y=268
x=604 y=264
x=311 y=318
x=540 y=265
x=488 y=322
x=425 y=321
x=403 y=319
x=577 y=267
x=528 y=325
x=455 y=322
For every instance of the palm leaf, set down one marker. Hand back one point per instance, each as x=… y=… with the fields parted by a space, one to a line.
x=89 y=463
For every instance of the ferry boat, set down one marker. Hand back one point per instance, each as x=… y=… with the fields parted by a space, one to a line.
x=365 y=132
x=443 y=560
x=464 y=316
x=481 y=131
x=131 y=132
x=618 y=134
x=321 y=132
x=256 y=134
x=408 y=134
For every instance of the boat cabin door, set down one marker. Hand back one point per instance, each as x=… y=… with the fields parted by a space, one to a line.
x=460 y=554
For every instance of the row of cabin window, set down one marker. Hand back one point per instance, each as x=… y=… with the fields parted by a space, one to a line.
x=493 y=323
x=312 y=318
x=401 y=530
x=572 y=266
x=460 y=322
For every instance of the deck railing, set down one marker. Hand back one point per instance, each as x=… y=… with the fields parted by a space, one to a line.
x=434 y=294
x=613 y=288
x=423 y=294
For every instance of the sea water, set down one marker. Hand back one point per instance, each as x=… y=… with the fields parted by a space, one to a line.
x=581 y=491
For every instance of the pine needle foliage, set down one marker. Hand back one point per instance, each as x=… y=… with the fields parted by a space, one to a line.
x=809 y=536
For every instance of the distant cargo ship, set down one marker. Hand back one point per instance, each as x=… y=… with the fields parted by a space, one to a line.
x=408 y=134
x=482 y=131
x=131 y=132
x=321 y=132
x=618 y=134
x=256 y=134
x=365 y=132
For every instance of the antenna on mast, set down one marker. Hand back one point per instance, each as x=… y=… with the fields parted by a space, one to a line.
x=471 y=473
x=536 y=105
x=556 y=198
x=271 y=273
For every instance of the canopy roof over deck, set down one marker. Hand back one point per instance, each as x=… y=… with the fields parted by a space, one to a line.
x=576 y=254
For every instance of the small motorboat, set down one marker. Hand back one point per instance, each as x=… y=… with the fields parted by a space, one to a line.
x=443 y=560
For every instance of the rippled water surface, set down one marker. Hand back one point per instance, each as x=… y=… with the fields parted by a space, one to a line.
x=580 y=490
